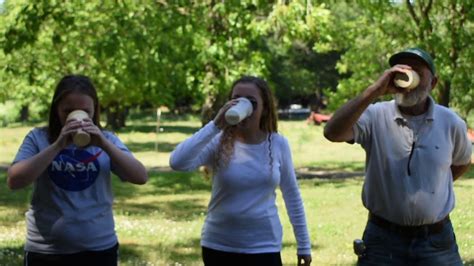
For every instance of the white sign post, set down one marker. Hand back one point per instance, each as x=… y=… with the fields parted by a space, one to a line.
x=158 y=119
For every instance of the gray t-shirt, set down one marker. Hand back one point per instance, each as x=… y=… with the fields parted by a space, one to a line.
x=408 y=167
x=71 y=207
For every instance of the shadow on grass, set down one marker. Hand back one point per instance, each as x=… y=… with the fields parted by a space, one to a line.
x=131 y=254
x=166 y=183
x=187 y=253
x=338 y=170
x=469 y=174
x=176 y=210
x=18 y=199
x=335 y=183
x=469 y=263
x=138 y=128
x=337 y=166
x=179 y=182
x=150 y=146
x=152 y=128
x=294 y=246
x=163 y=183
x=180 y=129
x=12 y=255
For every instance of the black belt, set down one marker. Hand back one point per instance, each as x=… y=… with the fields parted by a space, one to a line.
x=406 y=230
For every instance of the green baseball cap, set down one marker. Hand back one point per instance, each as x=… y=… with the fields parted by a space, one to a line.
x=417 y=53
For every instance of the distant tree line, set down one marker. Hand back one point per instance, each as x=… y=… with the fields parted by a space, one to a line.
x=185 y=54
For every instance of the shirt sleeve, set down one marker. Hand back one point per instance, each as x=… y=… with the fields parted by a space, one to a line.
x=28 y=148
x=121 y=146
x=197 y=150
x=462 y=145
x=293 y=201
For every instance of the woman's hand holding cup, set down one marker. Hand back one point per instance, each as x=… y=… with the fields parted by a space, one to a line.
x=81 y=138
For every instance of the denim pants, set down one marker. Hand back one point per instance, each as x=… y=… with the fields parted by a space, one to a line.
x=384 y=247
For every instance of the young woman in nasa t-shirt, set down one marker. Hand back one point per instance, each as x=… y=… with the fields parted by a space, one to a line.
x=70 y=220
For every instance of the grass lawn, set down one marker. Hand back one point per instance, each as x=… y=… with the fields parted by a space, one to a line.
x=160 y=223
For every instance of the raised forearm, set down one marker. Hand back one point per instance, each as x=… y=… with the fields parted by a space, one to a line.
x=339 y=127
x=126 y=165
x=25 y=172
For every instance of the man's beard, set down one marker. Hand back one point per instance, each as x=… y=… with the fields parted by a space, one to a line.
x=412 y=98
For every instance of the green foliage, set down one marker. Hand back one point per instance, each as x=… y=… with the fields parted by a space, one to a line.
x=177 y=54
x=297 y=73
x=370 y=31
x=8 y=113
x=184 y=55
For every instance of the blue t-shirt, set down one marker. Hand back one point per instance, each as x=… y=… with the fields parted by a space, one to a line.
x=71 y=207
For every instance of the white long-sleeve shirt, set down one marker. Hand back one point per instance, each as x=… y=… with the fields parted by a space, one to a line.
x=242 y=213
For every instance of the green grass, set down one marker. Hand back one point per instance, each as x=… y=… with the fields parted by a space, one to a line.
x=160 y=223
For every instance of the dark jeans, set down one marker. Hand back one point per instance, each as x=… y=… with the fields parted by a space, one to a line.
x=108 y=257
x=385 y=247
x=212 y=257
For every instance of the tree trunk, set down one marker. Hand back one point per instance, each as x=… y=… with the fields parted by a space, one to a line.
x=211 y=107
x=445 y=94
x=207 y=113
x=24 y=113
x=116 y=116
x=122 y=117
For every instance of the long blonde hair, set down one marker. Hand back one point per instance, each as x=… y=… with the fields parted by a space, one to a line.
x=268 y=122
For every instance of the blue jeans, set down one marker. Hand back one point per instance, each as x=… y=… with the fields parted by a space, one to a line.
x=384 y=247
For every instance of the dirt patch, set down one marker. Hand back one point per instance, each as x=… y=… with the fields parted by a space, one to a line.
x=307 y=173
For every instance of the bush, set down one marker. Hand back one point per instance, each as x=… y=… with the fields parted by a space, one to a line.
x=9 y=113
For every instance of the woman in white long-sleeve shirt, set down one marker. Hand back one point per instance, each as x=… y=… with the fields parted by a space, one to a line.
x=249 y=161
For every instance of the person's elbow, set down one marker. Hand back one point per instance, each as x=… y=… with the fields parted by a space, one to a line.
x=11 y=183
x=141 y=178
x=137 y=179
x=328 y=134
x=177 y=163
x=173 y=163
x=13 y=180
x=331 y=135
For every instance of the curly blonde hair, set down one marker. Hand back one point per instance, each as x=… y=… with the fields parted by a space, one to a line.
x=268 y=123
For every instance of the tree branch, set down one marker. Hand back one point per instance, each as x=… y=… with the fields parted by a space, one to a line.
x=425 y=13
x=412 y=12
x=427 y=9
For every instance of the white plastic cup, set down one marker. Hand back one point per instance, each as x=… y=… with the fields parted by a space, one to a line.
x=80 y=138
x=408 y=79
x=239 y=111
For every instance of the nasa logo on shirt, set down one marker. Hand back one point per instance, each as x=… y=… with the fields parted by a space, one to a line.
x=74 y=169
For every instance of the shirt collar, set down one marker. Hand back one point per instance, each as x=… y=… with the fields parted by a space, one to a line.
x=429 y=114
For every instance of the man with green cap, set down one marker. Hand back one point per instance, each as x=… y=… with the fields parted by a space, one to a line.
x=415 y=150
